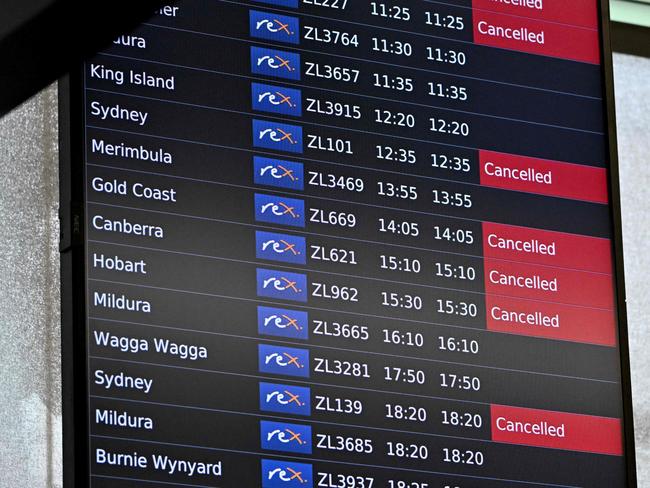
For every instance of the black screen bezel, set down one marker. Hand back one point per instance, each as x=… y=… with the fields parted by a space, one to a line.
x=76 y=447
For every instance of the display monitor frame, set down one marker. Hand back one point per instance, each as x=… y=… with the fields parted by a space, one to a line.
x=76 y=412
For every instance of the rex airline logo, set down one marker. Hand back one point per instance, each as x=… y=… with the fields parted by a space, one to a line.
x=287 y=399
x=276 y=63
x=286 y=474
x=276 y=136
x=274 y=27
x=281 y=322
x=278 y=173
x=281 y=436
x=281 y=285
x=283 y=248
x=274 y=209
x=282 y=360
x=276 y=99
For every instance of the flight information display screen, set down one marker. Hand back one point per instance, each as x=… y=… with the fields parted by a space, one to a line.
x=351 y=244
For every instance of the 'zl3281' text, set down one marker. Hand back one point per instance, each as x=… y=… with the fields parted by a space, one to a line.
x=341 y=368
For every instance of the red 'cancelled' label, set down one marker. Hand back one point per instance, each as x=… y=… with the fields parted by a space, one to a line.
x=557 y=430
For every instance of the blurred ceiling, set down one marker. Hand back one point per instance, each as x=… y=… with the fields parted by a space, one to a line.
x=636 y=12
x=631 y=26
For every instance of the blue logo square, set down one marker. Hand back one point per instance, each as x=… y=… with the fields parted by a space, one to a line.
x=294 y=400
x=278 y=173
x=286 y=474
x=281 y=285
x=280 y=137
x=280 y=247
x=281 y=436
x=275 y=209
x=276 y=63
x=274 y=27
x=282 y=360
x=281 y=322
x=276 y=99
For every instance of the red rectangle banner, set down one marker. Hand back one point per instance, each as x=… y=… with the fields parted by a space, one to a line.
x=557 y=430
x=583 y=13
x=555 y=285
x=550 y=320
x=536 y=37
x=554 y=178
x=524 y=244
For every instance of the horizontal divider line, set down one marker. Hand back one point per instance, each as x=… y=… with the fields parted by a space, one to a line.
x=358 y=204
x=334 y=236
x=124 y=478
x=359 y=351
x=311 y=459
x=471 y=43
x=296 y=419
x=537 y=300
x=312 y=421
x=300 y=84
